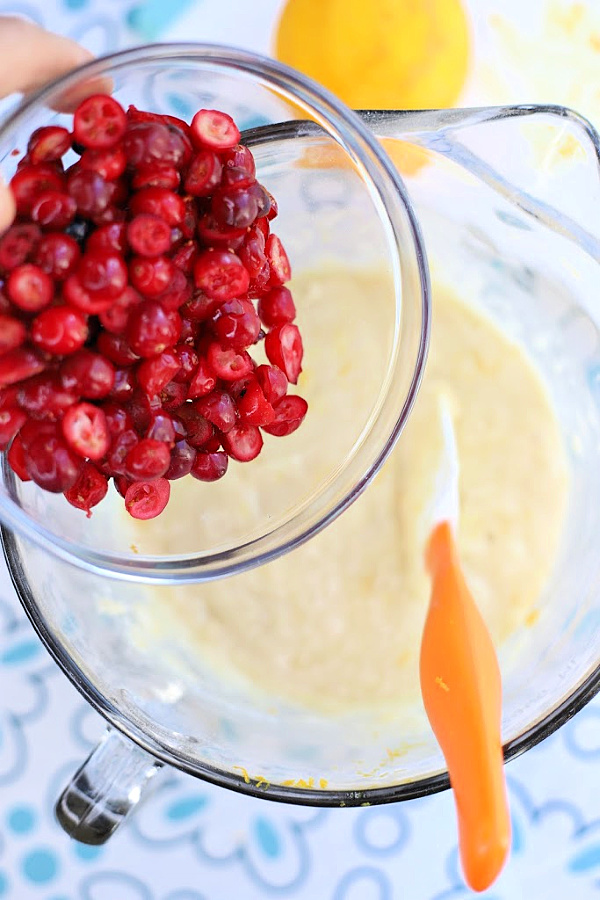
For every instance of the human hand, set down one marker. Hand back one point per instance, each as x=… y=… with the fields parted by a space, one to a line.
x=30 y=57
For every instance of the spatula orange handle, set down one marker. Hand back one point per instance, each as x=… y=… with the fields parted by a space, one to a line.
x=460 y=683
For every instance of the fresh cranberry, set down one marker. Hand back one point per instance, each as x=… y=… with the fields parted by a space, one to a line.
x=99 y=122
x=161 y=428
x=159 y=202
x=118 y=419
x=213 y=129
x=57 y=255
x=242 y=442
x=109 y=163
x=185 y=257
x=151 y=276
x=203 y=174
x=16 y=458
x=234 y=207
x=60 y=330
x=252 y=253
x=289 y=413
x=201 y=307
x=52 y=464
x=76 y=295
x=178 y=292
x=149 y=459
x=254 y=408
x=109 y=238
x=262 y=225
x=30 y=288
x=53 y=210
x=48 y=144
x=154 y=374
x=220 y=274
x=124 y=386
x=10 y=421
x=278 y=260
x=18 y=245
x=212 y=444
x=218 y=408
x=9 y=396
x=182 y=460
x=240 y=158
x=203 y=381
x=146 y=500
x=236 y=324
x=116 y=348
x=121 y=445
x=148 y=235
x=227 y=363
x=88 y=374
x=283 y=346
x=33 y=429
x=155 y=142
x=89 y=489
x=156 y=174
x=142 y=115
x=236 y=177
x=115 y=318
x=29 y=182
x=188 y=362
x=16 y=365
x=277 y=307
x=85 y=430
x=198 y=430
x=273 y=210
x=212 y=234
x=237 y=389
x=209 y=466
x=90 y=191
x=102 y=274
x=273 y=383
x=151 y=330
x=44 y=397
x=173 y=395
x=12 y=333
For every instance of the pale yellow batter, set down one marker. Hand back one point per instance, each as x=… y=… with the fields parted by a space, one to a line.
x=337 y=623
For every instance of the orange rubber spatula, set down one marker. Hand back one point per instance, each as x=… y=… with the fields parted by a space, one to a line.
x=460 y=684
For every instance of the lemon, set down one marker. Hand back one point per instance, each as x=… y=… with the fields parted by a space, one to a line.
x=378 y=54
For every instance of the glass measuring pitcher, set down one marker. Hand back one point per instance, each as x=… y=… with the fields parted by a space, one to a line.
x=505 y=204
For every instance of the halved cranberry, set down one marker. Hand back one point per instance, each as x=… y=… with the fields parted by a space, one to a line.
x=48 y=144
x=283 y=346
x=218 y=408
x=182 y=460
x=209 y=466
x=44 y=397
x=9 y=395
x=173 y=395
x=85 y=430
x=220 y=274
x=16 y=458
x=60 y=330
x=12 y=333
x=242 y=442
x=154 y=374
x=289 y=413
x=214 y=129
x=236 y=324
x=57 y=255
x=227 y=363
x=178 y=292
x=88 y=374
x=273 y=382
x=262 y=225
x=238 y=388
x=149 y=235
x=90 y=191
x=278 y=260
x=203 y=174
x=185 y=257
x=151 y=330
x=203 y=381
x=11 y=420
x=115 y=318
x=200 y=308
x=99 y=122
x=121 y=445
x=277 y=307
x=149 y=459
x=213 y=234
x=236 y=177
x=118 y=419
x=53 y=210
x=151 y=142
x=108 y=239
x=161 y=428
x=146 y=500
x=89 y=489
x=52 y=464
x=30 y=288
x=272 y=214
x=124 y=386
x=18 y=245
x=253 y=407
x=198 y=430
x=252 y=253
x=151 y=276
x=117 y=348
x=102 y=274
x=159 y=202
x=109 y=163
x=34 y=429
x=29 y=182
x=142 y=115
x=76 y=295
x=16 y=365
x=234 y=207
x=156 y=174
x=188 y=361
x=142 y=408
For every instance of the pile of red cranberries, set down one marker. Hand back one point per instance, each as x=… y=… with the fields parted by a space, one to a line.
x=132 y=286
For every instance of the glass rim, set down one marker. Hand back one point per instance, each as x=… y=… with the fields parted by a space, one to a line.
x=559 y=713
x=382 y=179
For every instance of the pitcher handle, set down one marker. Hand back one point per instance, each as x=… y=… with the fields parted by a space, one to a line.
x=105 y=789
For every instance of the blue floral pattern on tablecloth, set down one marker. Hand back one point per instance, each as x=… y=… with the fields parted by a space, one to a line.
x=192 y=841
